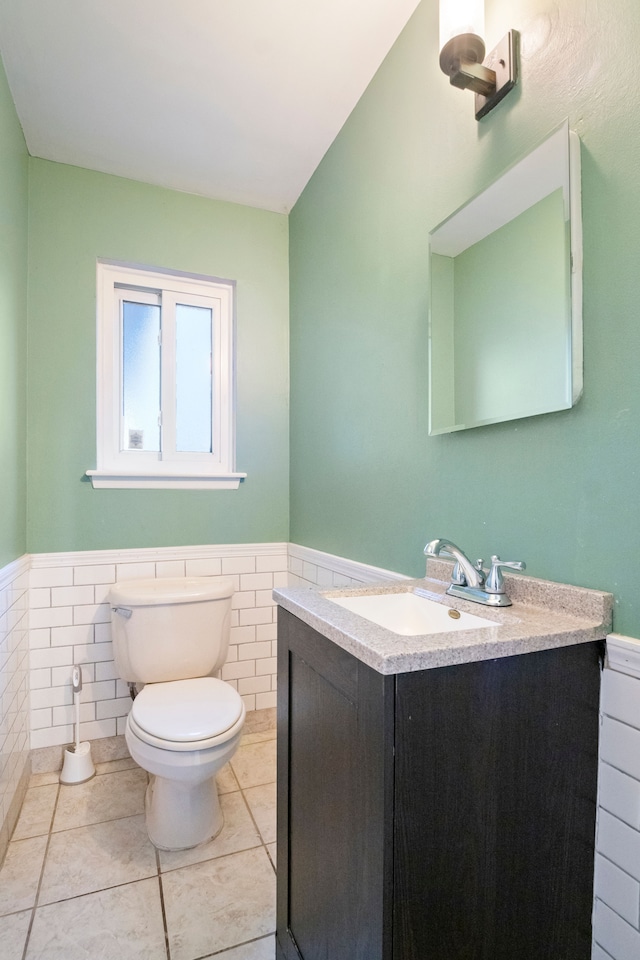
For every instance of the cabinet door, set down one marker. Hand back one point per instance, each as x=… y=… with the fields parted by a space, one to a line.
x=496 y=766
x=332 y=778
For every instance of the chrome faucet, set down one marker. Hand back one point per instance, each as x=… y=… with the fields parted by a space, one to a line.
x=464 y=572
x=471 y=582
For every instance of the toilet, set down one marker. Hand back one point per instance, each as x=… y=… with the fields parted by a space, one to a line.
x=169 y=637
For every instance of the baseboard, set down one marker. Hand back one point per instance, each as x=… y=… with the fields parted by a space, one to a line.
x=11 y=817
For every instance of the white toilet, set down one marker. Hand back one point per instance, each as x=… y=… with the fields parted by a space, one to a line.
x=169 y=636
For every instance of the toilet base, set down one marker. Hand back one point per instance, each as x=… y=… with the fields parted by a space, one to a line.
x=195 y=813
x=182 y=805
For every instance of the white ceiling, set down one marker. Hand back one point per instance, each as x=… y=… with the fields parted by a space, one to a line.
x=233 y=99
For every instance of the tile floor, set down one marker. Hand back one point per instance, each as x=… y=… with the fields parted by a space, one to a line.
x=81 y=879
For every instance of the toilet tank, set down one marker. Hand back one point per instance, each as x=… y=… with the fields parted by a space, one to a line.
x=170 y=629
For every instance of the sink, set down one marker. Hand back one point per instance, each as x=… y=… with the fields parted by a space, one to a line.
x=410 y=614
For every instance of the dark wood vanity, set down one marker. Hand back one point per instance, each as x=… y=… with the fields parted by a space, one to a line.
x=437 y=814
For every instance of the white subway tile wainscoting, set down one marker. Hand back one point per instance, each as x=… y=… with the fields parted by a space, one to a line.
x=14 y=695
x=54 y=614
x=309 y=567
x=70 y=623
x=616 y=921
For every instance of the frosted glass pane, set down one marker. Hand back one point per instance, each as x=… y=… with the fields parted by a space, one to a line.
x=140 y=376
x=194 y=380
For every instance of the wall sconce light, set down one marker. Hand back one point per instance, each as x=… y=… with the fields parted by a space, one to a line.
x=462 y=54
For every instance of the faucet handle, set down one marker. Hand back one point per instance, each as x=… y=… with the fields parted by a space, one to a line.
x=482 y=573
x=495 y=583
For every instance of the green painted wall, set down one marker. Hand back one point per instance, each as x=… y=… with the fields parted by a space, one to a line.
x=512 y=332
x=561 y=491
x=76 y=216
x=13 y=329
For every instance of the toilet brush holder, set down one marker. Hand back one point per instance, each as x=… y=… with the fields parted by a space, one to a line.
x=77 y=766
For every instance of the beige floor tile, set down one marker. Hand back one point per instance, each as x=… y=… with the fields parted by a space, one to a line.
x=105 y=797
x=13 y=934
x=259 y=737
x=95 y=857
x=100 y=895
x=226 y=780
x=255 y=763
x=238 y=833
x=37 y=811
x=218 y=904
x=263 y=949
x=262 y=803
x=110 y=748
x=124 y=923
x=113 y=766
x=258 y=721
x=45 y=759
x=20 y=874
x=40 y=779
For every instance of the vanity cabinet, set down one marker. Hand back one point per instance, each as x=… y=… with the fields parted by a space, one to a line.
x=441 y=814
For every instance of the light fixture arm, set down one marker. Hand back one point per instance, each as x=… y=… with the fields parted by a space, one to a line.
x=461 y=59
x=473 y=76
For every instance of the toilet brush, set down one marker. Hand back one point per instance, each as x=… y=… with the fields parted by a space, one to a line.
x=77 y=766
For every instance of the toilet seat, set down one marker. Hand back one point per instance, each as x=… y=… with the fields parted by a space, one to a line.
x=187 y=715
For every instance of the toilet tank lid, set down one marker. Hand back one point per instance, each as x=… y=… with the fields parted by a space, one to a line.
x=146 y=593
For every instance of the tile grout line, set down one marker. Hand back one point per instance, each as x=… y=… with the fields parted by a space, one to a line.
x=69 y=830
x=158 y=867
x=219 y=856
x=90 y=893
x=263 y=842
x=607 y=857
x=41 y=877
x=96 y=823
x=165 y=925
x=245 y=943
x=248 y=806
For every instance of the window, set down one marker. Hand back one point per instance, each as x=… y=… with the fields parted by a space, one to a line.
x=165 y=384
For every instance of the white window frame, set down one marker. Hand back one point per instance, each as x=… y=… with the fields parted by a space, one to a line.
x=118 y=467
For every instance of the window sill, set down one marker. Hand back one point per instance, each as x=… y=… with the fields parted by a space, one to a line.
x=112 y=480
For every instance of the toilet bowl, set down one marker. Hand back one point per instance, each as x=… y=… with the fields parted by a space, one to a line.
x=182 y=733
x=169 y=637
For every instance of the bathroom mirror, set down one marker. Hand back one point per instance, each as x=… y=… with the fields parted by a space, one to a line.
x=505 y=332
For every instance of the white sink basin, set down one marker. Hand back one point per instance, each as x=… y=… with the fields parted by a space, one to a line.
x=410 y=614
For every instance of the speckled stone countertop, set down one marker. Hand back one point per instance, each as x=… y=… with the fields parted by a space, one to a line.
x=543 y=615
